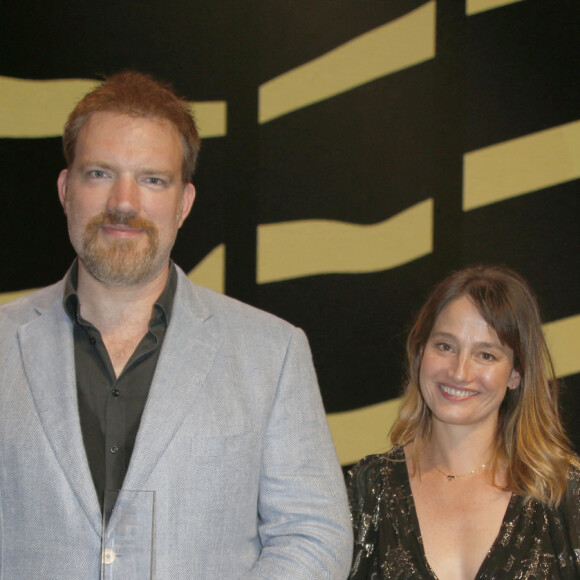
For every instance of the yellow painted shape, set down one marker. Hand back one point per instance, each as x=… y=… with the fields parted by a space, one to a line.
x=363 y=431
x=521 y=165
x=310 y=247
x=32 y=108
x=38 y=109
x=210 y=272
x=211 y=118
x=476 y=6
x=563 y=337
x=405 y=42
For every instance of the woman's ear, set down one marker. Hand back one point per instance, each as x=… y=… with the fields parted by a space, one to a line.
x=515 y=380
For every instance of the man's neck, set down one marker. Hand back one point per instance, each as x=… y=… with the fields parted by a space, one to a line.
x=112 y=308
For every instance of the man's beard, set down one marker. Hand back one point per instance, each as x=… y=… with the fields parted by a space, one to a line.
x=119 y=262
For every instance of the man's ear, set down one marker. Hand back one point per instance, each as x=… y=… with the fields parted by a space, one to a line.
x=187 y=200
x=62 y=186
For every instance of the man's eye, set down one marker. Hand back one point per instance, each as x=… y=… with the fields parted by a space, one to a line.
x=155 y=180
x=487 y=356
x=97 y=174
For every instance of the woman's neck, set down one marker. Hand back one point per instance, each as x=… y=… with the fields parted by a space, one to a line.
x=457 y=450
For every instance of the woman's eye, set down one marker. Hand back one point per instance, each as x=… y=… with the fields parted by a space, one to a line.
x=444 y=346
x=487 y=356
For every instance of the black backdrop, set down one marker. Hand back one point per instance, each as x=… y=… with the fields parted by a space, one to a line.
x=361 y=156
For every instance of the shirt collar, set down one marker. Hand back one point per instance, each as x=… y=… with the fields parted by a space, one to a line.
x=161 y=309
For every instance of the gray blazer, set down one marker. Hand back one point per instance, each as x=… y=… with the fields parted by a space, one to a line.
x=233 y=441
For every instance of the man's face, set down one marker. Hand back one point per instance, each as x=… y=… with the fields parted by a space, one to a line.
x=124 y=197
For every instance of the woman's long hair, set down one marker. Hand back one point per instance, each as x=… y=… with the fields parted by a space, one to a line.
x=530 y=443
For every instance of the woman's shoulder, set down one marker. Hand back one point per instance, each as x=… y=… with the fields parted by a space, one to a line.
x=371 y=472
x=574 y=478
x=574 y=472
x=378 y=461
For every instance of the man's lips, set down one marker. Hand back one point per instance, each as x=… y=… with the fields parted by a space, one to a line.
x=121 y=231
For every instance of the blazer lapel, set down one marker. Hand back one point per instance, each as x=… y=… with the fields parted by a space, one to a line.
x=188 y=353
x=48 y=359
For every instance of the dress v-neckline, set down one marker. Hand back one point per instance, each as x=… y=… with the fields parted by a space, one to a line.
x=406 y=481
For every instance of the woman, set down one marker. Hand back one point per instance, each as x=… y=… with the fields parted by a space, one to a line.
x=481 y=482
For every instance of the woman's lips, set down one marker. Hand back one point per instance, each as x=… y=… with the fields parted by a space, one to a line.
x=457 y=392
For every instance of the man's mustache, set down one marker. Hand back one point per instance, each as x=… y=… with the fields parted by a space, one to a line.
x=114 y=218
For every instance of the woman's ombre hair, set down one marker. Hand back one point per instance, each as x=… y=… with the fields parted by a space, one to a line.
x=530 y=445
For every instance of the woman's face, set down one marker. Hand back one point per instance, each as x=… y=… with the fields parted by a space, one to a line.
x=465 y=369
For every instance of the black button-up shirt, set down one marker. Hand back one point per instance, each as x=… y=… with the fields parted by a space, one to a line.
x=110 y=407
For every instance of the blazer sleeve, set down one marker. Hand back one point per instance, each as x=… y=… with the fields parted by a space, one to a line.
x=304 y=521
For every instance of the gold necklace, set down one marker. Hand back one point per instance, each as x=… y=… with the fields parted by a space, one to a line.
x=472 y=472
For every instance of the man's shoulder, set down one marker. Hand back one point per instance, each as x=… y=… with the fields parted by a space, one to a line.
x=29 y=305
x=228 y=310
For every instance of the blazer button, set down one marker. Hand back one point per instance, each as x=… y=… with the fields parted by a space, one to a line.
x=114 y=449
x=108 y=556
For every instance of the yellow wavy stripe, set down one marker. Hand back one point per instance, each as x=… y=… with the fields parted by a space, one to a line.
x=476 y=6
x=405 y=42
x=30 y=109
x=563 y=338
x=37 y=109
x=340 y=248
x=364 y=431
x=309 y=247
x=210 y=272
x=521 y=165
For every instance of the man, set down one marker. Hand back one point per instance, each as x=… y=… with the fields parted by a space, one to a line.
x=126 y=375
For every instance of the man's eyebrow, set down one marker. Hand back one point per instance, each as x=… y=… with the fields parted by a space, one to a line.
x=91 y=163
x=153 y=171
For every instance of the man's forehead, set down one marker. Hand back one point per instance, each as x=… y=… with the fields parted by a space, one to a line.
x=113 y=132
x=117 y=120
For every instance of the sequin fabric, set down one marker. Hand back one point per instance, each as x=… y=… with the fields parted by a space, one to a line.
x=535 y=542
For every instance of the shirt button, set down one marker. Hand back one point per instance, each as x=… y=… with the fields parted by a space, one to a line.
x=114 y=449
x=108 y=556
x=116 y=392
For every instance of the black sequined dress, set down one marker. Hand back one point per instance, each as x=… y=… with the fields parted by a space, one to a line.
x=535 y=542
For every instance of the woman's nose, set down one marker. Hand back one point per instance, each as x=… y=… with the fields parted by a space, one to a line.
x=461 y=369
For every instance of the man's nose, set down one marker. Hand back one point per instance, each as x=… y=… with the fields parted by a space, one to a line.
x=124 y=195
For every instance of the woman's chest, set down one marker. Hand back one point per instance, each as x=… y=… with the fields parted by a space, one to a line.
x=458 y=524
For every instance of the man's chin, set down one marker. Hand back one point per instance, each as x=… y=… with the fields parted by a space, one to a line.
x=119 y=267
